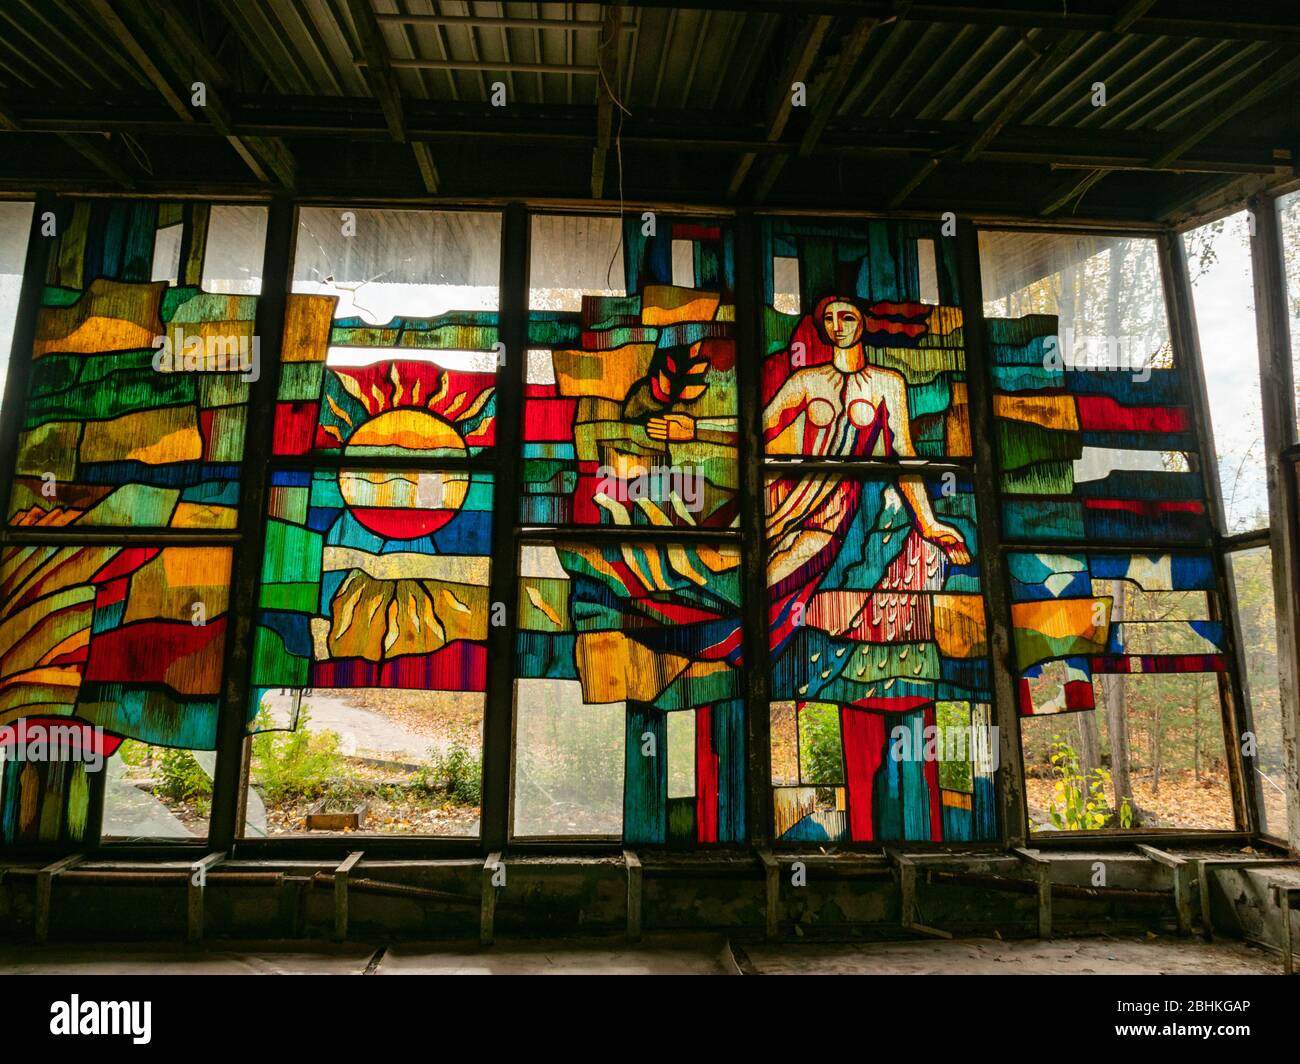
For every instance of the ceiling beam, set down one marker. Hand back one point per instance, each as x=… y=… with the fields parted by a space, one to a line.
x=799 y=62
x=1043 y=66
x=1215 y=115
x=1261 y=21
x=87 y=146
x=826 y=94
x=504 y=66
x=489 y=22
x=609 y=56
x=140 y=57
x=93 y=150
x=192 y=61
x=379 y=66
x=569 y=127
x=8 y=121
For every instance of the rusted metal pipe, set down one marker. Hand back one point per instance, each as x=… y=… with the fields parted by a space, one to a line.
x=396 y=890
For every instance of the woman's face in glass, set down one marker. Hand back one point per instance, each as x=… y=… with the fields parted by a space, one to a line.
x=843 y=323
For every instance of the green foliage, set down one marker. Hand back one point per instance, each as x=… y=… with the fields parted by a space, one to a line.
x=297 y=764
x=1079 y=801
x=182 y=779
x=458 y=772
x=134 y=754
x=820 y=749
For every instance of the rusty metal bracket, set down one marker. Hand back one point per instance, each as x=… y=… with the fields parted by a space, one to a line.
x=341 y=900
x=635 y=875
x=1182 y=876
x=44 y=889
x=487 y=921
x=194 y=894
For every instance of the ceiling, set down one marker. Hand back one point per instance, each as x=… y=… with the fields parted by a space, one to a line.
x=988 y=108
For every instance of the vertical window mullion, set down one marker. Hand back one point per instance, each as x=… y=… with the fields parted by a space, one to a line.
x=499 y=707
x=994 y=578
x=277 y=277
x=758 y=664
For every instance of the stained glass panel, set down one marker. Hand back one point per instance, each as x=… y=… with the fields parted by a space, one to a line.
x=129 y=640
x=391 y=340
x=879 y=650
x=613 y=642
x=1082 y=615
x=855 y=364
x=138 y=398
x=630 y=404
x=371 y=643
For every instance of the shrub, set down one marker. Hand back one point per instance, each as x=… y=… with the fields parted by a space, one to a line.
x=1079 y=801
x=299 y=763
x=459 y=772
x=182 y=779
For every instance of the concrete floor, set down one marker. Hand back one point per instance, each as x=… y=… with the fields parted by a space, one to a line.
x=658 y=954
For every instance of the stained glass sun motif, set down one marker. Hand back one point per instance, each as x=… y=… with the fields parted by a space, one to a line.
x=406 y=408
x=403 y=505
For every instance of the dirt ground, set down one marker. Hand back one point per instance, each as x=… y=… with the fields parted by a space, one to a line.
x=1182 y=801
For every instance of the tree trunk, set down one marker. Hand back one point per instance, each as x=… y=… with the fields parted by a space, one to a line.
x=1196 y=736
x=1156 y=721
x=1089 y=743
x=1114 y=697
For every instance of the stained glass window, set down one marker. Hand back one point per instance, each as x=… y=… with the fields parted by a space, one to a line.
x=1095 y=439
x=134 y=419
x=855 y=365
x=370 y=658
x=1120 y=652
x=629 y=718
x=390 y=338
x=630 y=403
x=1077 y=616
x=129 y=640
x=876 y=617
x=653 y=631
x=136 y=410
x=369 y=669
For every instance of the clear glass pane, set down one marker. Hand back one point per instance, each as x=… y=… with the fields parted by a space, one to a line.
x=158 y=792
x=1252 y=578
x=1288 y=213
x=1218 y=262
x=374 y=760
x=15 y=225
x=233 y=260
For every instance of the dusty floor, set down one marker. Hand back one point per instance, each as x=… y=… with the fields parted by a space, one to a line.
x=685 y=955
